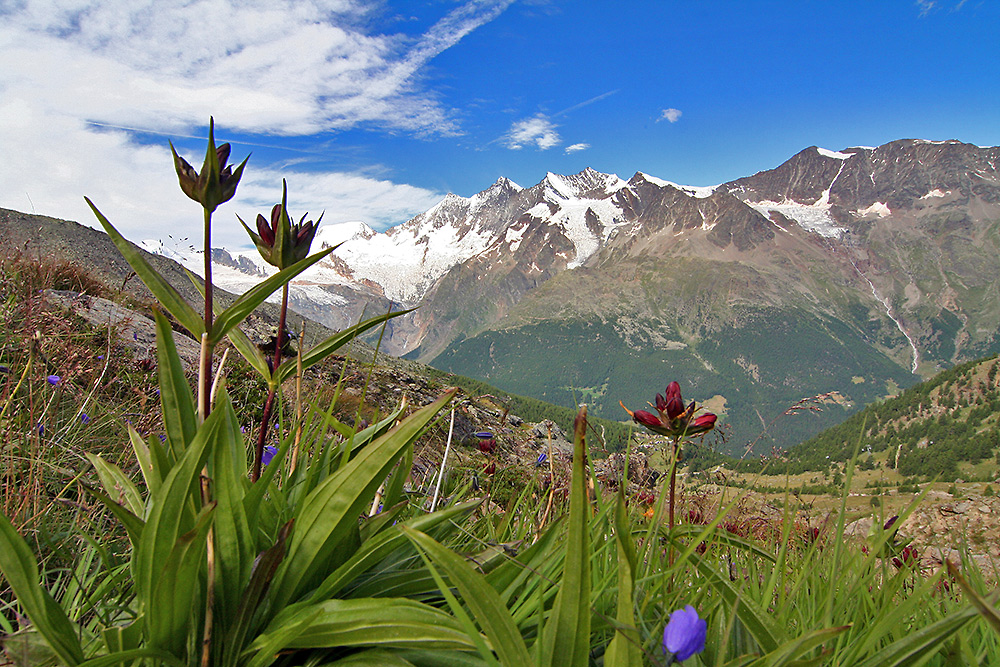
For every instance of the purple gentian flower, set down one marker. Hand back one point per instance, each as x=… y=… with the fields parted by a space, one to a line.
x=541 y=460
x=85 y=418
x=41 y=429
x=53 y=379
x=268 y=454
x=685 y=634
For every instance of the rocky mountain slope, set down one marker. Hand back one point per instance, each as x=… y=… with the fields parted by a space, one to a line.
x=839 y=274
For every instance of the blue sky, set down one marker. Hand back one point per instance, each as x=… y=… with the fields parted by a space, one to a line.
x=374 y=110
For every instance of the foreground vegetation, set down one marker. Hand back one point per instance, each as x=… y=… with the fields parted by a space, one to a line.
x=148 y=528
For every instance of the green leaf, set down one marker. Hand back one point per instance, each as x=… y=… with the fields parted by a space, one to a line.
x=130 y=656
x=21 y=570
x=482 y=599
x=144 y=456
x=330 y=511
x=263 y=571
x=176 y=399
x=234 y=546
x=252 y=298
x=115 y=482
x=161 y=289
x=133 y=524
x=382 y=545
x=324 y=349
x=172 y=606
x=171 y=513
x=250 y=352
x=625 y=649
x=388 y=622
x=567 y=633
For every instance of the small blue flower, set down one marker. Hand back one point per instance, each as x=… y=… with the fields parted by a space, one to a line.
x=268 y=454
x=163 y=438
x=53 y=379
x=41 y=429
x=685 y=634
x=85 y=418
x=541 y=459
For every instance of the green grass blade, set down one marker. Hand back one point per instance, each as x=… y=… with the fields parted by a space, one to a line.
x=482 y=599
x=790 y=651
x=921 y=644
x=757 y=620
x=161 y=289
x=988 y=611
x=21 y=571
x=567 y=633
x=252 y=298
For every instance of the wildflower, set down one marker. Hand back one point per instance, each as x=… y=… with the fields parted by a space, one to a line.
x=217 y=181
x=486 y=445
x=84 y=418
x=684 y=635
x=672 y=418
x=53 y=380
x=279 y=242
x=541 y=459
x=41 y=429
x=4 y=369
x=908 y=557
x=269 y=453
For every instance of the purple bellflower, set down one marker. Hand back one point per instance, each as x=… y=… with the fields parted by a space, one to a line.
x=684 y=635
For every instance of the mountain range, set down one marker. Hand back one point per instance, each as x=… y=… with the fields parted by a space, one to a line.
x=837 y=277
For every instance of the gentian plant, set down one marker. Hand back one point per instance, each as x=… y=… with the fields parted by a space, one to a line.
x=676 y=422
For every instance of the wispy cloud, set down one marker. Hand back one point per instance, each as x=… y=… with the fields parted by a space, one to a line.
x=671 y=115
x=73 y=75
x=576 y=148
x=585 y=103
x=538 y=131
x=928 y=6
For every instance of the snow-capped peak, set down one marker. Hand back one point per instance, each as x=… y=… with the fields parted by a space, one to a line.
x=697 y=191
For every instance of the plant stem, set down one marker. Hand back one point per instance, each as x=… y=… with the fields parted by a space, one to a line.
x=265 y=420
x=205 y=370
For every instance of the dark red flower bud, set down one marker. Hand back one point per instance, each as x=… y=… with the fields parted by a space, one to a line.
x=673 y=403
x=265 y=231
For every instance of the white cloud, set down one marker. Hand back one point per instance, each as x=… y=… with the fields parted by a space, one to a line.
x=538 y=130
x=576 y=148
x=75 y=75
x=671 y=115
